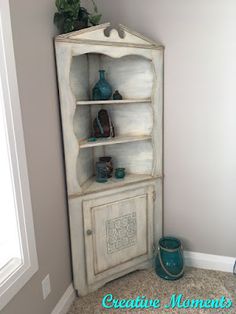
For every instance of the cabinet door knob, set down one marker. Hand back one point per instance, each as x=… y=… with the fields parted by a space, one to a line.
x=89 y=232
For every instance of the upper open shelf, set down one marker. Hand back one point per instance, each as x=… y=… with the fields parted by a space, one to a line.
x=111 y=102
x=114 y=140
x=133 y=76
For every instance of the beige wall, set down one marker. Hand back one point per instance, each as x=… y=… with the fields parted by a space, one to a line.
x=200 y=113
x=32 y=34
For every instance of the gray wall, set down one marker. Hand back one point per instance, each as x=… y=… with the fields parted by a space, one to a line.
x=200 y=113
x=32 y=34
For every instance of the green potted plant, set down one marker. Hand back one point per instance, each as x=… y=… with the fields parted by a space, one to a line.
x=72 y=16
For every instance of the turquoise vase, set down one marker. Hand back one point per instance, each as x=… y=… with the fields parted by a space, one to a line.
x=101 y=172
x=120 y=173
x=102 y=90
x=169 y=263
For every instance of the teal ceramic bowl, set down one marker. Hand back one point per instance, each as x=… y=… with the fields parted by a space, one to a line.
x=120 y=173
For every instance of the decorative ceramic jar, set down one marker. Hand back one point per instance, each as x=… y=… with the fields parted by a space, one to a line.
x=117 y=95
x=109 y=165
x=169 y=262
x=102 y=90
x=120 y=173
x=102 y=125
x=101 y=172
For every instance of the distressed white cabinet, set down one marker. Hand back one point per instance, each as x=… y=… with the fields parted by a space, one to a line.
x=114 y=225
x=118 y=232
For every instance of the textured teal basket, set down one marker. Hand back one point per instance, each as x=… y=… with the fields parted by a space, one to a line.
x=169 y=262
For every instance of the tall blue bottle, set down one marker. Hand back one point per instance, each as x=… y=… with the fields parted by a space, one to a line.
x=102 y=90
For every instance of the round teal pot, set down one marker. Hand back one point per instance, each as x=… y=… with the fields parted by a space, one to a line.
x=169 y=262
x=120 y=173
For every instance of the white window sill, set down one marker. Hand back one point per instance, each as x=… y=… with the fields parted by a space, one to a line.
x=9 y=269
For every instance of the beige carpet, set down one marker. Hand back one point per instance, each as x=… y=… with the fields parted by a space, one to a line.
x=196 y=284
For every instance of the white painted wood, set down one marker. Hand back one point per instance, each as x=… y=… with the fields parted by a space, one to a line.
x=158 y=212
x=65 y=301
x=77 y=245
x=68 y=106
x=82 y=129
x=112 y=51
x=135 y=157
x=121 y=227
x=135 y=34
x=98 y=284
x=113 y=141
x=97 y=35
x=77 y=233
x=140 y=123
x=79 y=77
x=157 y=105
x=133 y=65
x=132 y=75
x=112 y=102
x=209 y=261
x=85 y=167
x=101 y=27
x=91 y=186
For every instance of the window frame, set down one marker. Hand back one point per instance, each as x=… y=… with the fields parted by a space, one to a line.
x=11 y=283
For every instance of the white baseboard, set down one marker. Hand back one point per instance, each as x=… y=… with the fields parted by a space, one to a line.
x=65 y=302
x=207 y=261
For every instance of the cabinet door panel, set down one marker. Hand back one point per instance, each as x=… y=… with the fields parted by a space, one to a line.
x=118 y=232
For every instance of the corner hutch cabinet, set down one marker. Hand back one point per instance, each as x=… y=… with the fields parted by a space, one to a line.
x=114 y=225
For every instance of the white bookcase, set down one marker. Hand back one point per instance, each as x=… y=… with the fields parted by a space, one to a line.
x=114 y=225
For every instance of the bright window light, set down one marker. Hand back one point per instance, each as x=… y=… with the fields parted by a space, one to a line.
x=9 y=235
x=18 y=255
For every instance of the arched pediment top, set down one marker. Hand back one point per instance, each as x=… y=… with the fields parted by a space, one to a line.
x=102 y=34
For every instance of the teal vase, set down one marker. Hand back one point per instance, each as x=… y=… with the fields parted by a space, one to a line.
x=120 y=173
x=169 y=262
x=102 y=90
x=101 y=172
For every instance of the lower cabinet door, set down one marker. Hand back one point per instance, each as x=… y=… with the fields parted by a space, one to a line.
x=118 y=232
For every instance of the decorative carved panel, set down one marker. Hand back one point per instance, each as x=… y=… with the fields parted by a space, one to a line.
x=121 y=232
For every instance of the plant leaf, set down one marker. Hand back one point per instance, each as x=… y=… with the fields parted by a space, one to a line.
x=68 y=25
x=60 y=5
x=59 y=20
x=68 y=6
x=95 y=19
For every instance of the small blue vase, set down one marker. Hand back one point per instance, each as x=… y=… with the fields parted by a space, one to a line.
x=102 y=90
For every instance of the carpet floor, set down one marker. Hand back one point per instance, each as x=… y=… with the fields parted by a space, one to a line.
x=196 y=284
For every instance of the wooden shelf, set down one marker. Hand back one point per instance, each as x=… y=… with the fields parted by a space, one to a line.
x=112 y=102
x=134 y=66
x=91 y=186
x=114 y=140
